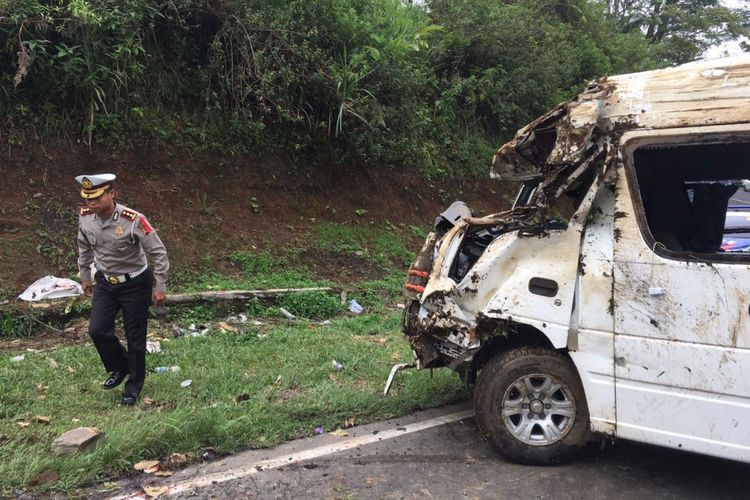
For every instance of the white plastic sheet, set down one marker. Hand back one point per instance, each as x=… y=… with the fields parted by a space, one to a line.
x=50 y=287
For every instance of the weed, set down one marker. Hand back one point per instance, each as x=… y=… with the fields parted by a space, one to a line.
x=374 y=293
x=255 y=205
x=197 y=314
x=14 y=324
x=385 y=246
x=31 y=208
x=318 y=305
x=256 y=263
x=255 y=308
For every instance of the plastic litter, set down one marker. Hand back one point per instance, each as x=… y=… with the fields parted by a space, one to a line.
x=178 y=332
x=51 y=287
x=16 y=359
x=355 y=307
x=286 y=313
x=186 y=383
x=162 y=369
x=153 y=347
x=336 y=365
x=319 y=430
x=198 y=331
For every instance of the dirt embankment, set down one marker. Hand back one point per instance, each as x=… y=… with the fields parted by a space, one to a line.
x=205 y=204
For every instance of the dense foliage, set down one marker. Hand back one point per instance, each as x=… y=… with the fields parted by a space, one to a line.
x=434 y=86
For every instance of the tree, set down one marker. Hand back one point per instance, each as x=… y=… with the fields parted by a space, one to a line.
x=680 y=30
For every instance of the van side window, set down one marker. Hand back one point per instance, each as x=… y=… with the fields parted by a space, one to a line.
x=696 y=197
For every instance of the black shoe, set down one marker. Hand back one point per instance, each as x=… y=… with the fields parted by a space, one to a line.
x=129 y=399
x=115 y=379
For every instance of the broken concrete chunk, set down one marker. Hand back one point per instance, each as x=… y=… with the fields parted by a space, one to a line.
x=76 y=440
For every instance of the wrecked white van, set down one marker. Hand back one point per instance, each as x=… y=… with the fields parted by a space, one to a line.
x=614 y=296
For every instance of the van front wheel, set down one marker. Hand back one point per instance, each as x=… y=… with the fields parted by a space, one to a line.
x=529 y=403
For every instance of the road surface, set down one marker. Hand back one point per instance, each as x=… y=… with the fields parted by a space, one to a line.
x=439 y=454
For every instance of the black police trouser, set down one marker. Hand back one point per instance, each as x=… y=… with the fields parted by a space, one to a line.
x=134 y=298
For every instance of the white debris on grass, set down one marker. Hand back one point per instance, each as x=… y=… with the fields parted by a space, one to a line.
x=51 y=287
x=355 y=307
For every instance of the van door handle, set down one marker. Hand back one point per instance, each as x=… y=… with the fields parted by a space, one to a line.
x=543 y=286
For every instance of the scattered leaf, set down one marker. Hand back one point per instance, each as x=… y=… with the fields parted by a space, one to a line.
x=40 y=419
x=339 y=433
x=44 y=477
x=52 y=363
x=163 y=473
x=155 y=491
x=42 y=397
x=24 y=424
x=148 y=402
x=152 y=470
x=349 y=422
x=70 y=369
x=395 y=356
x=75 y=419
x=224 y=326
x=332 y=377
x=278 y=380
x=146 y=464
x=379 y=340
x=176 y=460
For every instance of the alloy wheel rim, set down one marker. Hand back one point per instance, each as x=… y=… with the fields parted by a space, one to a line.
x=538 y=409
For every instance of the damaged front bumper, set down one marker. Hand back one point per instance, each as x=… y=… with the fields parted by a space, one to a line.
x=456 y=300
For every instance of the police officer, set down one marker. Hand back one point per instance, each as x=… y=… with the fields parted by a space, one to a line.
x=120 y=242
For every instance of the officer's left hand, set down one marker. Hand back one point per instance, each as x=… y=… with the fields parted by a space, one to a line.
x=158 y=298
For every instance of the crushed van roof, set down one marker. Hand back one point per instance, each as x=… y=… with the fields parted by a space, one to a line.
x=699 y=93
x=715 y=92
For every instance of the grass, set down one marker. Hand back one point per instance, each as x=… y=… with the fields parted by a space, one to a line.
x=251 y=389
x=383 y=246
x=259 y=269
x=285 y=378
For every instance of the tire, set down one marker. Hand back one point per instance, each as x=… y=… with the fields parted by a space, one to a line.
x=546 y=418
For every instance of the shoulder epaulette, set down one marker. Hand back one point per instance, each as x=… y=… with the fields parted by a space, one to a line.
x=84 y=210
x=129 y=214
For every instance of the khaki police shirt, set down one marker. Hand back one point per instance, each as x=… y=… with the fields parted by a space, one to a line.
x=120 y=245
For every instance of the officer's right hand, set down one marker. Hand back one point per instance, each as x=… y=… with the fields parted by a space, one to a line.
x=86 y=285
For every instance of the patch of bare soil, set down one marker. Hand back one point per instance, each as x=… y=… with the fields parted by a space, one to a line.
x=48 y=339
x=208 y=205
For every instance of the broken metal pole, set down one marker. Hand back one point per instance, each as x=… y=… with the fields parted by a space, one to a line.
x=394 y=369
x=177 y=298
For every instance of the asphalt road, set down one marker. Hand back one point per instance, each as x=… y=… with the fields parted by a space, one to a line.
x=450 y=460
